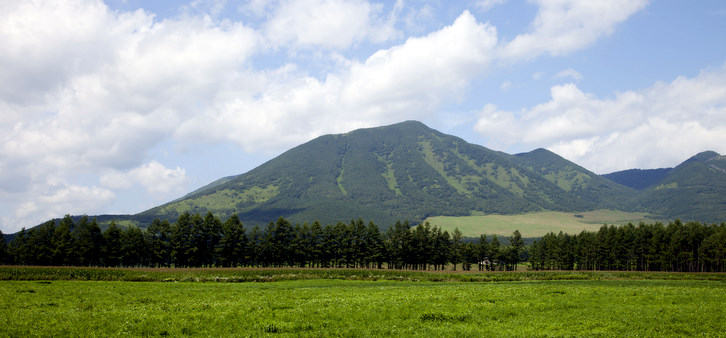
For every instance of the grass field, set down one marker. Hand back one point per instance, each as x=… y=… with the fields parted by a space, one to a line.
x=537 y=224
x=363 y=308
x=41 y=302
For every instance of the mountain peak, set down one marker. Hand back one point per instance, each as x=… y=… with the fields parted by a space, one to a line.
x=704 y=156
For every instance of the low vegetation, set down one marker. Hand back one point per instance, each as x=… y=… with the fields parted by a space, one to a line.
x=330 y=307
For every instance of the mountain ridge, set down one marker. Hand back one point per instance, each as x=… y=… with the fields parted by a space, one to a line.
x=402 y=171
x=408 y=171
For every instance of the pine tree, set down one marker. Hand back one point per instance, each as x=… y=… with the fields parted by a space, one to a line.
x=112 y=248
x=456 y=247
x=157 y=237
x=3 y=249
x=233 y=243
x=517 y=244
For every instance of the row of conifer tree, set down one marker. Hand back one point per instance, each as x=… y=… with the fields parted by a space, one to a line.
x=205 y=241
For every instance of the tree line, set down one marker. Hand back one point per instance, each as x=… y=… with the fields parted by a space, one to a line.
x=205 y=241
x=678 y=247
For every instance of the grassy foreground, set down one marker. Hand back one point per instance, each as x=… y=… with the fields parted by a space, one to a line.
x=363 y=308
x=101 y=302
x=536 y=224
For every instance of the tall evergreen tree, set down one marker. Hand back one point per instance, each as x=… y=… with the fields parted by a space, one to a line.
x=457 y=248
x=233 y=242
x=112 y=249
x=517 y=244
x=88 y=240
x=157 y=237
x=133 y=247
x=18 y=248
x=3 y=249
x=181 y=243
x=63 y=242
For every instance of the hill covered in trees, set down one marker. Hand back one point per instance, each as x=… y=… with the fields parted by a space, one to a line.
x=405 y=171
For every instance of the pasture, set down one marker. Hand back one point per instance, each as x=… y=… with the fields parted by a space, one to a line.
x=536 y=224
x=587 y=304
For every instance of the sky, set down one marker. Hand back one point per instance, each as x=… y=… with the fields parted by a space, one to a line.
x=116 y=106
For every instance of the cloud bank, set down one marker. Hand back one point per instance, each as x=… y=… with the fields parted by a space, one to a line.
x=649 y=128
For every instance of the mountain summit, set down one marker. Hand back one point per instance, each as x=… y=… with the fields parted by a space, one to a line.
x=405 y=171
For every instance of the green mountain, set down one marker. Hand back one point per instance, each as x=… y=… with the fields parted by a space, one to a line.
x=405 y=171
x=639 y=179
x=408 y=171
x=694 y=190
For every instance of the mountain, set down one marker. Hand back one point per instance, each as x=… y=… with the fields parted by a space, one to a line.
x=694 y=190
x=405 y=171
x=639 y=179
x=408 y=171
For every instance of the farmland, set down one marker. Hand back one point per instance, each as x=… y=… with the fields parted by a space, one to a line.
x=301 y=302
x=537 y=224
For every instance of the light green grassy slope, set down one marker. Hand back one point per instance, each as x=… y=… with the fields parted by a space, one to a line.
x=537 y=224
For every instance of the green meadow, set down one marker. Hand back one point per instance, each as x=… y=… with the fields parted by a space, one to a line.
x=537 y=224
x=598 y=305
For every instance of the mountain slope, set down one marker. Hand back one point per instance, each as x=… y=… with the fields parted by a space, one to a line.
x=405 y=171
x=639 y=179
x=583 y=184
x=694 y=190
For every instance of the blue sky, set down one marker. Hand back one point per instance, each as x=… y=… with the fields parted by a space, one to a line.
x=118 y=106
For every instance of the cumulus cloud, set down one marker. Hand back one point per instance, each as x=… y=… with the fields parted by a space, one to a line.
x=153 y=176
x=52 y=199
x=407 y=81
x=562 y=26
x=486 y=5
x=86 y=90
x=655 y=127
x=327 y=23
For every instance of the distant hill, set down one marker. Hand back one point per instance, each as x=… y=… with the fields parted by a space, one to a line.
x=694 y=190
x=405 y=171
x=639 y=178
x=408 y=171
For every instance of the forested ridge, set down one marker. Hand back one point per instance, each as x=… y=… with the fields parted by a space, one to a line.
x=207 y=241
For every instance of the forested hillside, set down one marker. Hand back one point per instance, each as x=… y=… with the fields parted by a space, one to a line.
x=639 y=178
x=405 y=171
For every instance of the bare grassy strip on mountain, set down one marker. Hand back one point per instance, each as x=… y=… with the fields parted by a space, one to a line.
x=537 y=224
x=315 y=308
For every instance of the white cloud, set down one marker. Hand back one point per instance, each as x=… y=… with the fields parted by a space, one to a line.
x=423 y=71
x=655 y=127
x=486 y=5
x=562 y=26
x=84 y=89
x=52 y=199
x=327 y=23
x=87 y=90
x=153 y=176
x=569 y=73
x=281 y=108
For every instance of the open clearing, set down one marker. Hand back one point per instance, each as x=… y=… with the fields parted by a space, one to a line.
x=537 y=224
x=363 y=308
x=43 y=303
